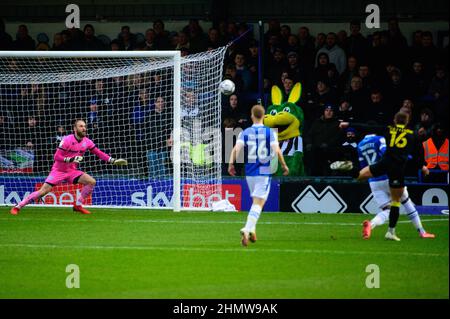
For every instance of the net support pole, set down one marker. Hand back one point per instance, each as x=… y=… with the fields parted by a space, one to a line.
x=177 y=133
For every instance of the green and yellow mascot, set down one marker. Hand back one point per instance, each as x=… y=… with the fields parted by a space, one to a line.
x=287 y=117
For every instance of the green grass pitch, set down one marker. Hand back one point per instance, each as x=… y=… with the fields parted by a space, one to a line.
x=160 y=254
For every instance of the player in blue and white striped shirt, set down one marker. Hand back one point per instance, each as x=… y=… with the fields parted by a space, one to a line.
x=370 y=151
x=261 y=151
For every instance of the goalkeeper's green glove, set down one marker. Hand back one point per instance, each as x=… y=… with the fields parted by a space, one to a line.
x=118 y=162
x=75 y=159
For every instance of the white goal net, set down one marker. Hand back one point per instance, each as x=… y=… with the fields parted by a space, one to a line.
x=159 y=111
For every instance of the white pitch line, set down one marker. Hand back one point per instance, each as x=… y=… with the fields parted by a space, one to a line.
x=200 y=249
x=174 y=221
x=428 y=220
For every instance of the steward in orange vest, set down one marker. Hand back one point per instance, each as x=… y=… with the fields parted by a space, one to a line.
x=436 y=150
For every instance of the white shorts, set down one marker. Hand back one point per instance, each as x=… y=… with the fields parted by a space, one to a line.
x=259 y=186
x=382 y=194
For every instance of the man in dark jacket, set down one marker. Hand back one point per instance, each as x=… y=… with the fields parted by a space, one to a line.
x=323 y=143
x=358 y=97
x=23 y=41
x=5 y=38
x=356 y=44
x=377 y=112
x=90 y=41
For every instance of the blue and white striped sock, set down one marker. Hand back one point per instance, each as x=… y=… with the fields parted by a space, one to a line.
x=413 y=215
x=380 y=218
x=252 y=218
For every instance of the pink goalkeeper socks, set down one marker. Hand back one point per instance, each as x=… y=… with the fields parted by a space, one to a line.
x=33 y=196
x=85 y=192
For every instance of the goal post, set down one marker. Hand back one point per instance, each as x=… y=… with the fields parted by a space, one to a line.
x=160 y=111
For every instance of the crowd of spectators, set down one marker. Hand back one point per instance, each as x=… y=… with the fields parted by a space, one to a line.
x=346 y=77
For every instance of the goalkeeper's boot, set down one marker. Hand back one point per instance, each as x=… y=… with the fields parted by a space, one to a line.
x=427 y=235
x=252 y=236
x=342 y=166
x=244 y=237
x=80 y=209
x=367 y=229
x=391 y=236
x=15 y=211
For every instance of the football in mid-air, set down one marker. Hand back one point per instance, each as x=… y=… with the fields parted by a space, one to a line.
x=226 y=87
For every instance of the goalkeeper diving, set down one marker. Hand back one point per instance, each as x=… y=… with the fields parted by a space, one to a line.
x=65 y=168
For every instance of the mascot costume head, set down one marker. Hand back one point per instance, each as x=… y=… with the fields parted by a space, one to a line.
x=287 y=118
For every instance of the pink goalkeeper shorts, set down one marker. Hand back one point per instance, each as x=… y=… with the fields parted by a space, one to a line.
x=58 y=177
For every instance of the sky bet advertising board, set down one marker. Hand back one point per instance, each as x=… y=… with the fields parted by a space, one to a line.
x=134 y=193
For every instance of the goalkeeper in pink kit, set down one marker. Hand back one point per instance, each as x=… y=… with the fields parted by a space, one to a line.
x=65 y=168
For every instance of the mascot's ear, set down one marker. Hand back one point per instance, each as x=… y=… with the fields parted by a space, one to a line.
x=277 y=96
x=295 y=94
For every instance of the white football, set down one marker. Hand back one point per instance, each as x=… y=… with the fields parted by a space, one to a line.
x=226 y=87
